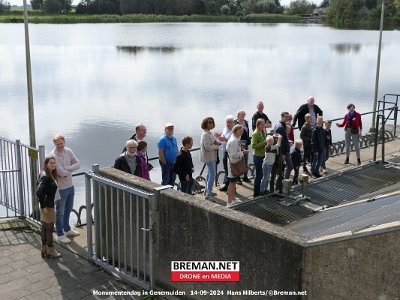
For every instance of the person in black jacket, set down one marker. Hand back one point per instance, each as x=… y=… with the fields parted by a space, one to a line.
x=296 y=160
x=184 y=165
x=47 y=193
x=328 y=143
x=318 y=147
x=259 y=114
x=128 y=161
x=304 y=109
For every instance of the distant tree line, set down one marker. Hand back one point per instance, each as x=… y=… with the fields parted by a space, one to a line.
x=349 y=12
x=52 y=6
x=179 y=7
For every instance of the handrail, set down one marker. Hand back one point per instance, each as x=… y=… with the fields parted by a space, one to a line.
x=333 y=120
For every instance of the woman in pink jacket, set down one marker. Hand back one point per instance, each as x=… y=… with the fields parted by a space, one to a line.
x=353 y=126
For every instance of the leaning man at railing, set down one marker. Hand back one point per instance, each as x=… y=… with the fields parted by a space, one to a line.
x=66 y=163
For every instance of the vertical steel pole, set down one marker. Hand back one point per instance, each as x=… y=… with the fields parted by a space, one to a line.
x=378 y=64
x=88 y=189
x=19 y=177
x=42 y=156
x=32 y=135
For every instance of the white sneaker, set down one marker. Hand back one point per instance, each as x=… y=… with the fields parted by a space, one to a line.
x=234 y=202
x=63 y=239
x=72 y=233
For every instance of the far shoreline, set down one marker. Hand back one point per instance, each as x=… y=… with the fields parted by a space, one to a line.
x=73 y=18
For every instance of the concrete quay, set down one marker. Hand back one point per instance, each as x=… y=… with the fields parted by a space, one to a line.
x=334 y=165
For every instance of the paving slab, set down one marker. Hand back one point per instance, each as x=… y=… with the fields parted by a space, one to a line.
x=24 y=274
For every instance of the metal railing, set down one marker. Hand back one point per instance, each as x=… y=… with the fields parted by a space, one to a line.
x=19 y=169
x=123 y=222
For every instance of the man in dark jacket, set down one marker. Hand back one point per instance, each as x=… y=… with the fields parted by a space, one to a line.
x=128 y=161
x=285 y=145
x=304 y=109
x=318 y=147
x=259 y=114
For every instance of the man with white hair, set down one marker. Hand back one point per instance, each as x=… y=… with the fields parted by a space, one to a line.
x=308 y=108
x=226 y=134
x=128 y=161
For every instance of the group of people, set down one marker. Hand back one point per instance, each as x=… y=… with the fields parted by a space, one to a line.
x=275 y=154
x=55 y=192
x=272 y=157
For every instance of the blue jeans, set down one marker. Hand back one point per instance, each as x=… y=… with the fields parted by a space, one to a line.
x=210 y=178
x=63 y=210
x=258 y=162
x=317 y=161
x=265 y=179
x=326 y=157
x=168 y=175
x=187 y=186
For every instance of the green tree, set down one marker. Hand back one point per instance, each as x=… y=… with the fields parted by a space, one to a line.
x=37 y=4
x=57 y=6
x=4 y=7
x=300 y=7
x=225 y=10
x=263 y=6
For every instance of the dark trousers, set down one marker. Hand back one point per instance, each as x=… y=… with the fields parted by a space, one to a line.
x=258 y=161
x=225 y=164
x=307 y=154
x=46 y=233
x=187 y=186
x=277 y=170
x=296 y=175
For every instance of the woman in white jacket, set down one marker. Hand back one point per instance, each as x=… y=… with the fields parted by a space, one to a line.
x=235 y=154
x=208 y=153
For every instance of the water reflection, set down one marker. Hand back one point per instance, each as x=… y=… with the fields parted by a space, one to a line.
x=85 y=88
x=139 y=49
x=346 y=48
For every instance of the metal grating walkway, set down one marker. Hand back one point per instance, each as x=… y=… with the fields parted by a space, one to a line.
x=330 y=191
x=349 y=218
x=350 y=185
x=271 y=209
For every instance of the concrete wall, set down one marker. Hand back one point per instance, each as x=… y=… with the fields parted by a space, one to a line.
x=189 y=228
x=271 y=257
x=362 y=268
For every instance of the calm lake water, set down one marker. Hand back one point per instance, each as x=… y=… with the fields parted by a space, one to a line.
x=94 y=82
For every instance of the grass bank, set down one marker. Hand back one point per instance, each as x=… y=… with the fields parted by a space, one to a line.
x=140 y=18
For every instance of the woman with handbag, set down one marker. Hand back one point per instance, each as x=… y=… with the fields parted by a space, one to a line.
x=236 y=163
x=47 y=192
x=353 y=126
x=245 y=138
x=208 y=153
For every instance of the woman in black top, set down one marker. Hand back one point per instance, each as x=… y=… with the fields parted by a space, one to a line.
x=47 y=192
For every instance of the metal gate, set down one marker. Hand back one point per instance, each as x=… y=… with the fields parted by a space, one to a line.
x=122 y=241
x=19 y=169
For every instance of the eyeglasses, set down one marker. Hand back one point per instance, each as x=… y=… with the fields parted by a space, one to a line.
x=170 y=128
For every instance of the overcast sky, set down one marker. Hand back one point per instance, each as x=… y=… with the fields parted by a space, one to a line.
x=75 y=2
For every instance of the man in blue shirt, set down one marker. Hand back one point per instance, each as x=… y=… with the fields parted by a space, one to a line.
x=167 y=152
